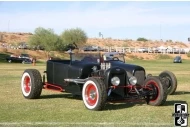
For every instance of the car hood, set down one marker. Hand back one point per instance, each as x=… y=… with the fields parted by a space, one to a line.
x=128 y=67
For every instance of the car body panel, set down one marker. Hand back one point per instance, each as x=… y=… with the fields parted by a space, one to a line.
x=58 y=70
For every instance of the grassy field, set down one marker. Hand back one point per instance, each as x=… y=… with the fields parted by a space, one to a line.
x=62 y=109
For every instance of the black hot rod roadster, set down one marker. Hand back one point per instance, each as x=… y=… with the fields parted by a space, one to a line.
x=99 y=78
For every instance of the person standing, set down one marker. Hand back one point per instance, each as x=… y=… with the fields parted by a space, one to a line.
x=34 y=61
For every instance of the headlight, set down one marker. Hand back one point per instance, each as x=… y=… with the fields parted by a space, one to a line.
x=115 y=81
x=94 y=68
x=133 y=80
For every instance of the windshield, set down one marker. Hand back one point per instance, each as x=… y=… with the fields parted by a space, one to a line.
x=86 y=57
x=177 y=57
x=97 y=57
x=24 y=55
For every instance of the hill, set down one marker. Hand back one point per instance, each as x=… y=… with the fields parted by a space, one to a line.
x=15 y=38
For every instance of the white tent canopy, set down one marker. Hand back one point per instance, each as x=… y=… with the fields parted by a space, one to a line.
x=169 y=47
x=162 y=47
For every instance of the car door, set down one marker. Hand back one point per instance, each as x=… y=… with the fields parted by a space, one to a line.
x=14 y=59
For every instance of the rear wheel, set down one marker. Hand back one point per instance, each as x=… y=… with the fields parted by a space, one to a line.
x=159 y=92
x=31 y=84
x=94 y=94
x=170 y=81
x=9 y=61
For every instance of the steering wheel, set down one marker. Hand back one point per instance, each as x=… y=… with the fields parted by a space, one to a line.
x=115 y=58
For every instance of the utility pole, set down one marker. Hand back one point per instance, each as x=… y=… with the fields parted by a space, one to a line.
x=100 y=35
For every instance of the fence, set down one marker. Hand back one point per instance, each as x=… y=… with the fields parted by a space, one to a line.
x=147 y=50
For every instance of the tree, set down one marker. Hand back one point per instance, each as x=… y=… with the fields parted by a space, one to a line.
x=47 y=39
x=142 y=39
x=74 y=35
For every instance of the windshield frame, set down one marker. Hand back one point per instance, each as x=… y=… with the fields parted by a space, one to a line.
x=85 y=57
x=97 y=57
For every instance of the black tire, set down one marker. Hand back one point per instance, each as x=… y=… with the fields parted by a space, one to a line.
x=31 y=84
x=94 y=94
x=171 y=81
x=160 y=96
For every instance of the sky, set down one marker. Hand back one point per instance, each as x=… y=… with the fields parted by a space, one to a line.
x=118 y=20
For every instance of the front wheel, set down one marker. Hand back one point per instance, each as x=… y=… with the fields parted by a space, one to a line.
x=31 y=84
x=159 y=92
x=94 y=94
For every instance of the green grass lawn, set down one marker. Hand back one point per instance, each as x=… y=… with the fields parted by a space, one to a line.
x=62 y=109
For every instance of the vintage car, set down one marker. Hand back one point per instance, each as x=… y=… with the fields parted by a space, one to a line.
x=14 y=59
x=99 y=79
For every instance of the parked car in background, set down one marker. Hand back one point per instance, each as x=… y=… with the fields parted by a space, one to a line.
x=97 y=48
x=23 y=45
x=143 y=50
x=89 y=48
x=24 y=56
x=36 y=47
x=93 y=48
x=177 y=59
x=12 y=59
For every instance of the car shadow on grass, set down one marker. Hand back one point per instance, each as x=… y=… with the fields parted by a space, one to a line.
x=171 y=103
x=69 y=96
x=181 y=93
x=108 y=106
x=117 y=106
x=113 y=106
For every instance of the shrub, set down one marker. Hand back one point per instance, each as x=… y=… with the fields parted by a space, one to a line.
x=45 y=38
x=142 y=39
x=164 y=56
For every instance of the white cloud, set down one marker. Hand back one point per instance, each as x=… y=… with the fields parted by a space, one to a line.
x=90 y=18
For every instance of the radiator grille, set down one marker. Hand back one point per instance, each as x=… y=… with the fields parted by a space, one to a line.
x=140 y=75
